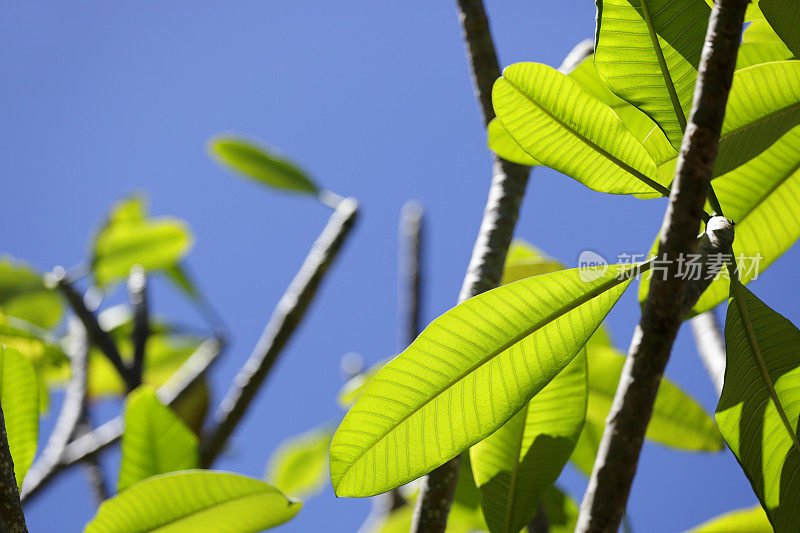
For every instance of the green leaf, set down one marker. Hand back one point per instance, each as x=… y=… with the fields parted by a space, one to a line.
x=19 y=397
x=155 y=440
x=199 y=500
x=24 y=295
x=466 y=374
x=783 y=16
x=516 y=464
x=648 y=52
x=752 y=520
x=760 y=403
x=129 y=239
x=351 y=390
x=562 y=512
x=760 y=44
x=300 y=465
x=564 y=127
x=259 y=163
x=504 y=145
x=763 y=198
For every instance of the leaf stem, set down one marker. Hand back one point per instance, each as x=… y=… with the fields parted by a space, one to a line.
x=606 y=497
x=137 y=293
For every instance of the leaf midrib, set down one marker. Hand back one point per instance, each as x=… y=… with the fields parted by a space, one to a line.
x=613 y=282
x=512 y=486
x=624 y=166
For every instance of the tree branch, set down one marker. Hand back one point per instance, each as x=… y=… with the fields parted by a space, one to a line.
x=605 y=499
x=287 y=316
x=86 y=446
x=137 y=293
x=711 y=347
x=491 y=246
x=70 y=415
x=12 y=520
x=97 y=335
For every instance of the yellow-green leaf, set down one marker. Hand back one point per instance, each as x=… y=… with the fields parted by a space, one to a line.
x=300 y=465
x=19 y=397
x=753 y=520
x=155 y=441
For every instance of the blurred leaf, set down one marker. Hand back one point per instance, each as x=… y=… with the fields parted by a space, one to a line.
x=564 y=127
x=256 y=162
x=760 y=44
x=155 y=440
x=752 y=520
x=468 y=372
x=783 y=16
x=24 y=295
x=677 y=421
x=562 y=512
x=129 y=239
x=299 y=466
x=182 y=280
x=200 y=500
x=192 y=406
x=20 y=400
x=505 y=146
x=516 y=464
x=351 y=390
x=760 y=403
x=648 y=53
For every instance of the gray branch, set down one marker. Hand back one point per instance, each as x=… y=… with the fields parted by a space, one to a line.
x=137 y=293
x=606 y=497
x=711 y=347
x=86 y=446
x=70 y=415
x=491 y=246
x=287 y=316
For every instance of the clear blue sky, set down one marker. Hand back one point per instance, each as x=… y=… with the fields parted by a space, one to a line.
x=101 y=99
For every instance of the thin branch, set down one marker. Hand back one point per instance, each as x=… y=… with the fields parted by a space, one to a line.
x=175 y=388
x=71 y=410
x=97 y=335
x=137 y=293
x=710 y=346
x=12 y=519
x=491 y=246
x=605 y=499
x=287 y=316
x=539 y=523
x=91 y=465
x=408 y=316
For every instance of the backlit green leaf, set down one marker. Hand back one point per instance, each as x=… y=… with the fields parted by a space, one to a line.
x=760 y=44
x=760 y=404
x=155 y=440
x=753 y=520
x=259 y=163
x=23 y=295
x=505 y=146
x=783 y=16
x=128 y=240
x=19 y=397
x=516 y=464
x=466 y=374
x=300 y=465
x=195 y=501
x=564 y=127
x=648 y=52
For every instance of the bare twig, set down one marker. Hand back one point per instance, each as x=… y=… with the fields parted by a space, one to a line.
x=710 y=346
x=137 y=292
x=12 y=520
x=287 y=315
x=91 y=465
x=85 y=446
x=617 y=458
x=71 y=410
x=97 y=335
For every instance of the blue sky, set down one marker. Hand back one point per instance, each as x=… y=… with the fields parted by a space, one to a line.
x=102 y=99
